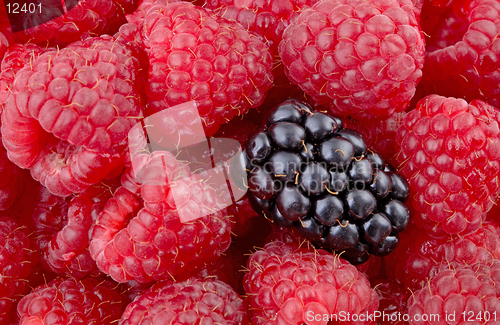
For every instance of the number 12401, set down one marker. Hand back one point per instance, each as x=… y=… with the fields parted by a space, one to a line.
x=16 y=8
x=471 y=316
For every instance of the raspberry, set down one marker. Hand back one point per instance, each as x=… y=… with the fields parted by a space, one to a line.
x=71 y=301
x=286 y=283
x=37 y=277
x=448 y=150
x=379 y=135
x=116 y=214
x=17 y=258
x=75 y=21
x=133 y=32
x=265 y=18
x=69 y=113
x=463 y=59
x=12 y=180
x=194 y=301
x=16 y=57
x=469 y=293
x=371 y=65
x=196 y=55
x=420 y=256
x=180 y=228
x=137 y=17
x=305 y=171
x=62 y=228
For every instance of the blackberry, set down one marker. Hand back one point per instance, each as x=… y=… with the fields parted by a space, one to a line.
x=306 y=171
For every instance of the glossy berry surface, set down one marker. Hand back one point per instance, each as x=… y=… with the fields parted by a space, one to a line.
x=75 y=112
x=360 y=58
x=462 y=57
x=333 y=195
x=463 y=291
x=449 y=152
x=195 y=55
x=420 y=256
x=297 y=280
x=152 y=236
x=66 y=301
x=15 y=58
x=62 y=226
x=194 y=301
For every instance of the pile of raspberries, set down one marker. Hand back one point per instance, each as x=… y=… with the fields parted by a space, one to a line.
x=249 y=162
